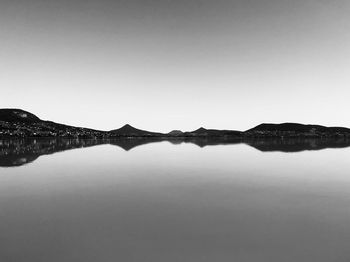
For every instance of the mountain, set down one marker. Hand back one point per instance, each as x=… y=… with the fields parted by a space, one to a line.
x=295 y=130
x=17 y=115
x=20 y=123
x=130 y=131
x=202 y=132
x=176 y=133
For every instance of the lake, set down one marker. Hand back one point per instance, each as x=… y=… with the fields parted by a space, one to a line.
x=77 y=200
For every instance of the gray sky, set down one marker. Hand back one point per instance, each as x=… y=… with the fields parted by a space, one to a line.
x=167 y=64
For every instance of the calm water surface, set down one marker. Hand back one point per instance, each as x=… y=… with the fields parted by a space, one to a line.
x=162 y=202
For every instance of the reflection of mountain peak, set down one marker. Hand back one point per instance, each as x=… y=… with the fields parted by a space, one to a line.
x=130 y=143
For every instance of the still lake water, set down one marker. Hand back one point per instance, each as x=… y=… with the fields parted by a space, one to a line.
x=162 y=202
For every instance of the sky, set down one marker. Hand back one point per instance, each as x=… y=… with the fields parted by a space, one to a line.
x=177 y=64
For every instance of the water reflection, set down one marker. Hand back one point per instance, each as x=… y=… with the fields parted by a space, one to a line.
x=297 y=144
x=17 y=152
x=174 y=203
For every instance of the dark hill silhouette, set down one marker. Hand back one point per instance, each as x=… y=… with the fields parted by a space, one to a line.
x=130 y=131
x=295 y=129
x=176 y=133
x=17 y=115
x=20 y=123
x=202 y=132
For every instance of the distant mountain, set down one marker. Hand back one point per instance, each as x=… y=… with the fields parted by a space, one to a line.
x=176 y=133
x=130 y=131
x=20 y=123
x=296 y=130
x=215 y=132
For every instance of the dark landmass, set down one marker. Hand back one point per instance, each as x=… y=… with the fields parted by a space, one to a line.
x=202 y=132
x=17 y=115
x=296 y=130
x=20 y=123
x=129 y=131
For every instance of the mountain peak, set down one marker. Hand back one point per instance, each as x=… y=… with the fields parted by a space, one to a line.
x=127 y=126
x=128 y=130
x=201 y=129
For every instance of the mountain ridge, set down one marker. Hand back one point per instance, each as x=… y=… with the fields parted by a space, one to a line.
x=128 y=130
x=20 y=123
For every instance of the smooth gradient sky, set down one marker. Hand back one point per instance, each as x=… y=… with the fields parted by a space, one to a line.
x=177 y=64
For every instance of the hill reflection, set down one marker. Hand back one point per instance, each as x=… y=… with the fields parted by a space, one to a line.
x=18 y=152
